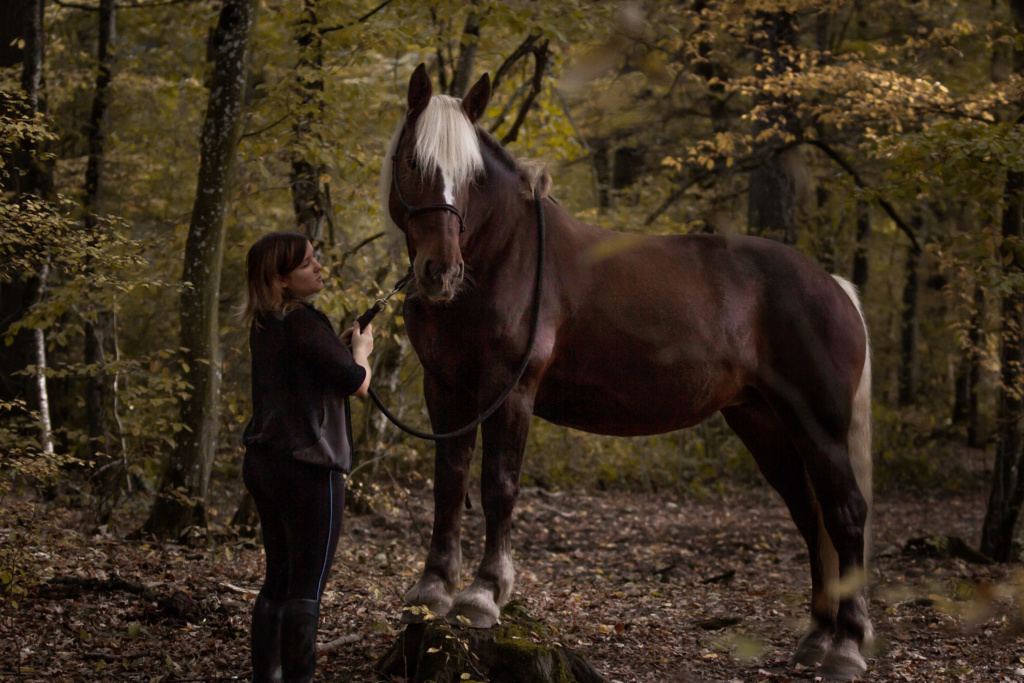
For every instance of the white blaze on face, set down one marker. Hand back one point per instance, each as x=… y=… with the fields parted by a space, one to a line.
x=449 y=189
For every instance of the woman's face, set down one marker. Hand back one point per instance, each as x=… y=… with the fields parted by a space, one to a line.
x=305 y=280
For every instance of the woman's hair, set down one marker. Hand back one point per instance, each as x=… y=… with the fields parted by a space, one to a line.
x=273 y=255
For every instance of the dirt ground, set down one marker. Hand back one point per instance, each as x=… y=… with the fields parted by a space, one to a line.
x=651 y=588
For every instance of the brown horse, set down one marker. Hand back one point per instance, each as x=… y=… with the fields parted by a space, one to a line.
x=635 y=335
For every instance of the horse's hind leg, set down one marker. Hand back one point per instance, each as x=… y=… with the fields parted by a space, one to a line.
x=845 y=518
x=835 y=452
x=758 y=427
x=504 y=441
x=441 y=574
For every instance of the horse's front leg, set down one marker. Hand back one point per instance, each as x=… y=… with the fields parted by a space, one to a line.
x=449 y=410
x=504 y=441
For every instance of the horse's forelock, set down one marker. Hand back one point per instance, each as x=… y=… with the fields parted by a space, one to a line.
x=447 y=141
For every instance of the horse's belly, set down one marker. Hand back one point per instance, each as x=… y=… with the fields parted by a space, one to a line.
x=638 y=405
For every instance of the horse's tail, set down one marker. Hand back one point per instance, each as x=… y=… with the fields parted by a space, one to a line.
x=859 y=437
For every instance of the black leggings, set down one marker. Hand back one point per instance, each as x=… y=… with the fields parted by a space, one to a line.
x=300 y=508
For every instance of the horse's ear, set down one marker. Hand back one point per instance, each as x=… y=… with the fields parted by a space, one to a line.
x=476 y=99
x=419 y=90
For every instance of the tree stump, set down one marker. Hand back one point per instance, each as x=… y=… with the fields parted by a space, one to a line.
x=520 y=649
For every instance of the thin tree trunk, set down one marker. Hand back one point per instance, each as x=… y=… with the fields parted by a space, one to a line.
x=771 y=205
x=1007 y=494
x=43 y=396
x=968 y=375
x=182 y=499
x=467 y=54
x=909 y=330
x=860 y=256
x=1005 y=497
x=96 y=383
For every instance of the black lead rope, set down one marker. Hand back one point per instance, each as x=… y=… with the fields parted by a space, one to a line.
x=534 y=320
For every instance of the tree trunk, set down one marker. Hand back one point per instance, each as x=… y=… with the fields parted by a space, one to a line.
x=771 y=205
x=599 y=158
x=29 y=174
x=968 y=376
x=909 y=329
x=521 y=649
x=860 y=256
x=182 y=499
x=311 y=196
x=1007 y=493
x=467 y=54
x=96 y=383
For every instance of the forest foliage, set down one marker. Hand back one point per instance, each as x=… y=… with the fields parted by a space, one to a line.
x=895 y=127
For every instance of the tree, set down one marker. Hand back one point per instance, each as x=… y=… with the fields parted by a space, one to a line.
x=311 y=191
x=32 y=176
x=772 y=202
x=182 y=498
x=96 y=390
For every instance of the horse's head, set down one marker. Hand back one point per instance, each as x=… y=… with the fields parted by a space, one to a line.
x=426 y=176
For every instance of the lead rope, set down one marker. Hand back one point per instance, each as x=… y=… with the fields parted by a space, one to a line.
x=534 y=320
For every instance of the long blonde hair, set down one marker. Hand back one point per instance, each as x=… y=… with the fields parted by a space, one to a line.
x=273 y=255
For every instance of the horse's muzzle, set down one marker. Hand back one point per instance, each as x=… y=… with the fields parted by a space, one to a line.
x=439 y=282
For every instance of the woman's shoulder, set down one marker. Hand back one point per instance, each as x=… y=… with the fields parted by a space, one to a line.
x=306 y=314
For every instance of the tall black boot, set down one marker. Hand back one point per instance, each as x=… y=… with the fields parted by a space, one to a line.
x=298 y=640
x=265 y=640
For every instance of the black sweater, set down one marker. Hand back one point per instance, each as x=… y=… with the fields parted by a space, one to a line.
x=302 y=376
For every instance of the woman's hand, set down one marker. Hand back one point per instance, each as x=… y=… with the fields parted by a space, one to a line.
x=360 y=341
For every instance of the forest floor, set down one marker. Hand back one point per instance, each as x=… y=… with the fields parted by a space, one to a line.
x=651 y=588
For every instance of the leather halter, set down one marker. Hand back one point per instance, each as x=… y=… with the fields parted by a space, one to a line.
x=413 y=210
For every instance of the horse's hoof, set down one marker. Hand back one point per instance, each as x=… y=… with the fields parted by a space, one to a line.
x=811 y=649
x=475 y=609
x=843 y=661
x=427 y=600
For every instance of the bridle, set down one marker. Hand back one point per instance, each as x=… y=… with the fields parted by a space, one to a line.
x=413 y=210
x=534 y=312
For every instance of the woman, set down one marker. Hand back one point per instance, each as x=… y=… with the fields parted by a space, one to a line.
x=298 y=446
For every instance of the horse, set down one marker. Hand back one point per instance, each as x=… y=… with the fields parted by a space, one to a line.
x=634 y=335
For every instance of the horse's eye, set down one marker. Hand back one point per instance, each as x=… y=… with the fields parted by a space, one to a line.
x=412 y=162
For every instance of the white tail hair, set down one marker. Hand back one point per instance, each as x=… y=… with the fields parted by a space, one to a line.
x=858 y=442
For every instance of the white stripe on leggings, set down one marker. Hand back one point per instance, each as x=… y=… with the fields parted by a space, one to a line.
x=330 y=524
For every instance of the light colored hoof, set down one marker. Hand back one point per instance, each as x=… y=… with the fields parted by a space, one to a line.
x=843 y=661
x=811 y=649
x=475 y=608
x=428 y=599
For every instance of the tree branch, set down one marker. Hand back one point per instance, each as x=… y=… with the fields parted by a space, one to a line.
x=131 y=5
x=541 y=54
x=852 y=172
x=360 y=20
x=510 y=61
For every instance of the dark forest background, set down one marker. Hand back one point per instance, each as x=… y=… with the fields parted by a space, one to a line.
x=146 y=144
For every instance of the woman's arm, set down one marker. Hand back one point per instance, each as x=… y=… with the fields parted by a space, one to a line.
x=327 y=356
